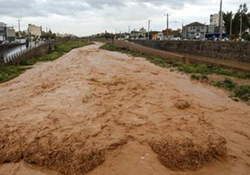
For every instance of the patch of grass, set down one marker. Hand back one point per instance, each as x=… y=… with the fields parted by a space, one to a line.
x=9 y=72
x=204 y=78
x=243 y=92
x=153 y=59
x=195 y=77
x=229 y=84
x=181 y=66
x=59 y=51
x=110 y=47
x=218 y=84
x=158 y=61
x=204 y=69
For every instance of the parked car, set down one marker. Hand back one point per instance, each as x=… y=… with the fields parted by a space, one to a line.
x=175 y=39
x=225 y=39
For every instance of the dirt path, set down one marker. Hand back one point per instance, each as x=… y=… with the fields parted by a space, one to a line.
x=114 y=114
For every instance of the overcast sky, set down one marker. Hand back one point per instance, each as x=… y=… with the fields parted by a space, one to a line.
x=86 y=17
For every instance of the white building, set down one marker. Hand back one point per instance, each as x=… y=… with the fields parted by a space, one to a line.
x=3 y=28
x=215 y=19
x=34 y=30
x=11 y=34
x=194 y=30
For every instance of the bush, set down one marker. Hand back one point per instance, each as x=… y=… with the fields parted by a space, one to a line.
x=10 y=72
x=205 y=78
x=229 y=84
x=243 y=92
x=195 y=77
x=218 y=84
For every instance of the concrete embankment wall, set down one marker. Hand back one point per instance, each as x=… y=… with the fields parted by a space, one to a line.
x=230 y=51
x=6 y=47
x=152 y=48
x=39 y=51
x=143 y=50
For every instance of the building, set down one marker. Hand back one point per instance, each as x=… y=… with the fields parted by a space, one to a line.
x=35 y=31
x=10 y=34
x=194 y=30
x=155 y=35
x=215 y=19
x=3 y=28
x=141 y=34
x=169 y=34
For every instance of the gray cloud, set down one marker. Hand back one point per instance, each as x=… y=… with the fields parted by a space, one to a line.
x=27 y=8
x=84 y=17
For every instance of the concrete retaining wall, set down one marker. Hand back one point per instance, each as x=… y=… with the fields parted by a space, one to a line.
x=146 y=50
x=230 y=51
x=5 y=47
x=192 y=59
x=39 y=51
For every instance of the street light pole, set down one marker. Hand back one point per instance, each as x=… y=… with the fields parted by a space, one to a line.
x=148 y=28
x=128 y=29
x=167 y=16
x=19 y=28
x=220 y=20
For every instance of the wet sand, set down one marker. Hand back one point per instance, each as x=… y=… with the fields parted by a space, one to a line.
x=97 y=112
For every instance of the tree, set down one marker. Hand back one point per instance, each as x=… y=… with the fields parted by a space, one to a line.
x=227 y=20
x=236 y=20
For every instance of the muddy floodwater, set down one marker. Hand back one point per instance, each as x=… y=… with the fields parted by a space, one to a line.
x=97 y=112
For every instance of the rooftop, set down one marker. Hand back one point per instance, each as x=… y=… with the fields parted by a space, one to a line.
x=195 y=24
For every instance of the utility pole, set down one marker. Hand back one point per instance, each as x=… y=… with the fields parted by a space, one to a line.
x=129 y=29
x=148 y=28
x=231 y=25
x=19 y=20
x=220 y=20
x=167 y=16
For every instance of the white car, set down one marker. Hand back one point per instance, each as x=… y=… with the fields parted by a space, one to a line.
x=175 y=39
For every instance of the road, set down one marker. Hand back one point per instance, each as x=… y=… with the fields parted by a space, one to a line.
x=105 y=113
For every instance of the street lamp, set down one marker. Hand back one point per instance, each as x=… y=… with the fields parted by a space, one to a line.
x=148 y=28
x=220 y=19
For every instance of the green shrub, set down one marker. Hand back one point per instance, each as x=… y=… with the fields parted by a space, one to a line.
x=218 y=84
x=229 y=84
x=10 y=72
x=195 y=77
x=243 y=92
x=178 y=64
x=204 y=77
